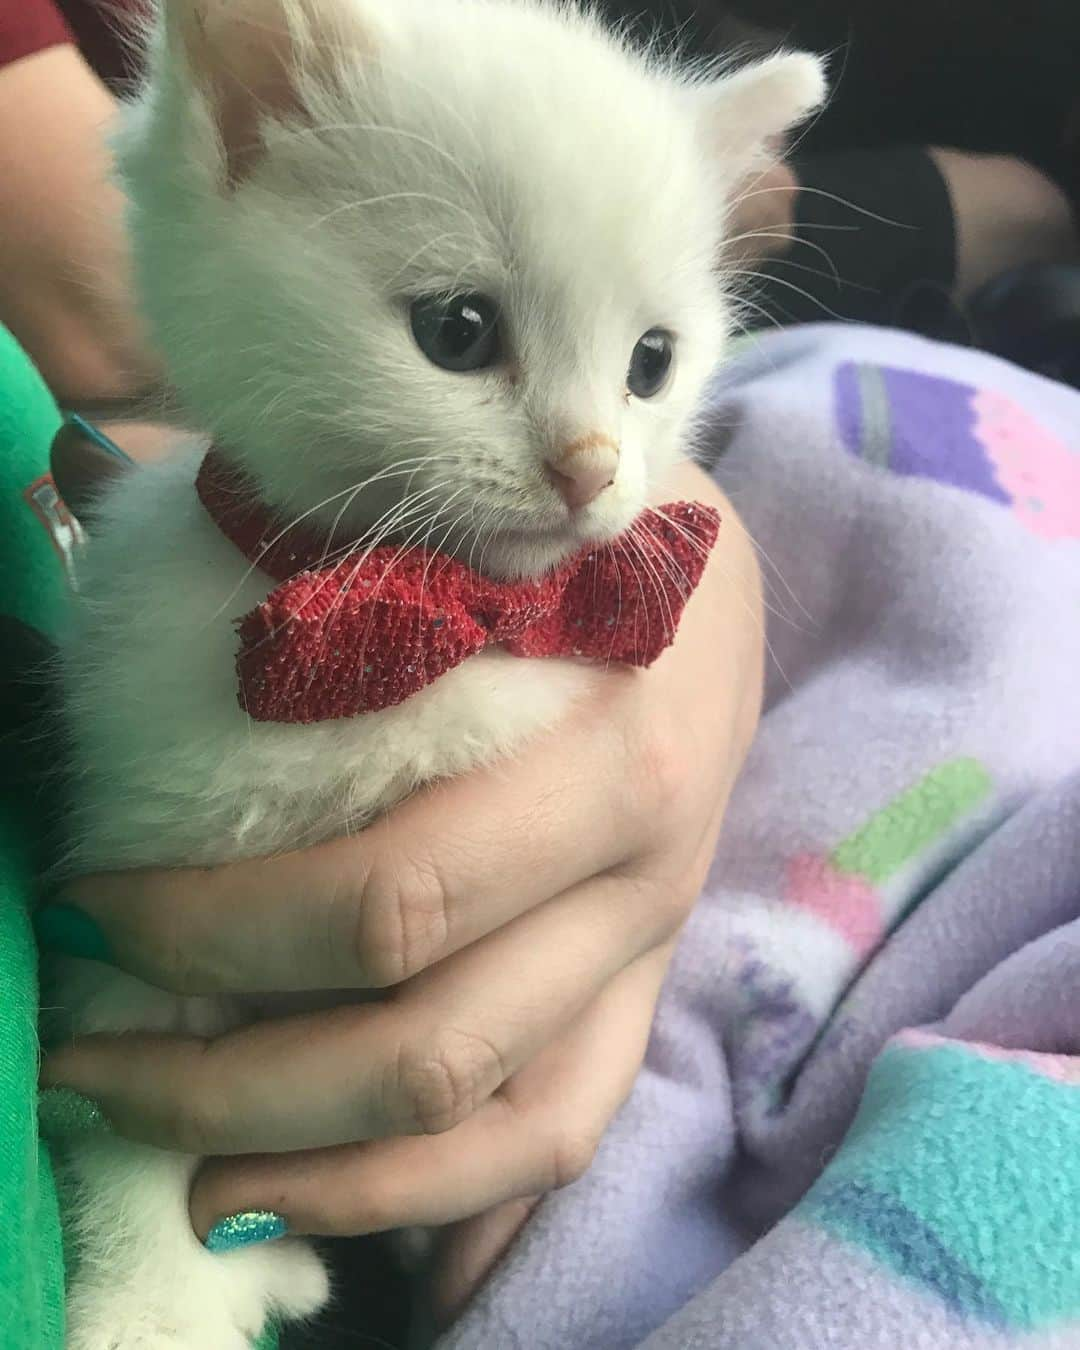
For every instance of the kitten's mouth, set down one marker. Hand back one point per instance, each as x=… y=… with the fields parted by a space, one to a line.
x=576 y=531
x=530 y=550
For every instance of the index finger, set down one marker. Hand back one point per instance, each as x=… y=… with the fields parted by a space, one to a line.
x=445 y=868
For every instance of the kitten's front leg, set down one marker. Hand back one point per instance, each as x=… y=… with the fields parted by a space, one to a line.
x=141 y=1279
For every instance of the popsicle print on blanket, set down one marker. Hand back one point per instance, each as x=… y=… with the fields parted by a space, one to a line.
x=865 y=884
x=960 y=1175
x=794 y=957
x=924 y=426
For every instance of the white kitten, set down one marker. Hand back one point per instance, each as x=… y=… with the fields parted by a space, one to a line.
x=301 y=172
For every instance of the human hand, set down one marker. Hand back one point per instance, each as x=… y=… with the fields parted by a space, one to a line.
x=520 y=920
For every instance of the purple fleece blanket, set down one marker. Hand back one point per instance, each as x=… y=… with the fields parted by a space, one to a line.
x=858 y=1125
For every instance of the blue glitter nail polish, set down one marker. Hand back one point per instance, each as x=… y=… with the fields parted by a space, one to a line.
x=62 y=1112
x=244 y=1230
x=70 y=931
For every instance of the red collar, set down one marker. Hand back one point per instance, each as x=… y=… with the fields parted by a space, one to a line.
x=335 y=639
x=232 y=502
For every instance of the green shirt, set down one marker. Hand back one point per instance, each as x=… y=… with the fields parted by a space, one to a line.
x=32 y=592
x=36 y=534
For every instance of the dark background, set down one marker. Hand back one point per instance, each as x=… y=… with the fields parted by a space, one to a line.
x=989 y=75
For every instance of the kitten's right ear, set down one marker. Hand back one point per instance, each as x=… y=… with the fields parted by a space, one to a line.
x=745 y=114
x=256 y=59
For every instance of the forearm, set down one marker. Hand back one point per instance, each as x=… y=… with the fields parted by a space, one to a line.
x=64 y=288
x=999 y=213
x=1006 y=214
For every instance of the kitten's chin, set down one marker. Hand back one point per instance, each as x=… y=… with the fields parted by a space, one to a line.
x=511 y=557
x=513 y=554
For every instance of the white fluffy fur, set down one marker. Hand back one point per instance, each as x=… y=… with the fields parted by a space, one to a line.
x=508 y=146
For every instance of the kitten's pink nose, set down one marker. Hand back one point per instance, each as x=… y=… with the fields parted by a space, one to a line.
x=582 y=469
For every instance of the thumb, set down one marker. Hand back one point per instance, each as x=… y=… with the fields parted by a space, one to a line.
x=83 y=460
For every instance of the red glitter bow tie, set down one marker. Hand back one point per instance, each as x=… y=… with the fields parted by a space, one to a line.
x=337 y=639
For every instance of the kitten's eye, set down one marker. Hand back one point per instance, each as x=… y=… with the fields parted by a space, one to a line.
x=650 y=363
x=459 y=333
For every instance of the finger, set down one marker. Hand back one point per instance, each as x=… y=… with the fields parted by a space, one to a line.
x=421 y=1062
x=468 y=1251
x=537 y=1134
x=86 y=456
x=83 y=461
x=445 y=868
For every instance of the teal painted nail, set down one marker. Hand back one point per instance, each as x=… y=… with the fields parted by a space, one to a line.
x=99 y=438
x=63 y=1112
x=244 y=1230
x=71 y=932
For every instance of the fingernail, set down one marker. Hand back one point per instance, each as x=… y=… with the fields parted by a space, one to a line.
x=99 y=438
x=71 y=932
x=244 y=1230
x=63 y=1112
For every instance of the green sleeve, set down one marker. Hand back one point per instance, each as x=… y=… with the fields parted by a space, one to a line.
x=31 y=1265
x=36 y=536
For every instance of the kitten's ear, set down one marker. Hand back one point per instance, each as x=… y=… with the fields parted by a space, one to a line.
x=252 y=59
x=744 y=115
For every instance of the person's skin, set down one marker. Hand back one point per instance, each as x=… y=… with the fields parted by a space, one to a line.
x=64 y=290
x=1006 y=214
x=520 y=921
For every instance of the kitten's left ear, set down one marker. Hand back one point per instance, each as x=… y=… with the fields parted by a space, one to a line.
x=744 y=115
x=250 y=59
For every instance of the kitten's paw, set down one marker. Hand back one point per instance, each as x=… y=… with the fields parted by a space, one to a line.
x=296 y=1276
x=220 y=1303
x=119 y=1325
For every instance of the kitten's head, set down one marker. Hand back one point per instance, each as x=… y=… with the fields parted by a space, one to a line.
x=463 y=253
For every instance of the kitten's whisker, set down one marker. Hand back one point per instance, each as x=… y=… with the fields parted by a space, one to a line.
x=652 y=557
x=777 y=613
x=382 y=129
x=330 y=618
x=618 y=602
x=253 y=566
x=786 y=238
x=383 y=197
x=490 y=516
x=841 y=283
x=397 y=472
x=403 y=510
x=409 y=475
x=829 y=196
x=629 y=540
x=744 y=301
x=691 y=539
x=770 y=609
x=760 y=550
x=433 y=553
x=431 y=243
x=758 y=620
x=406 y=544
x=806 y=295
